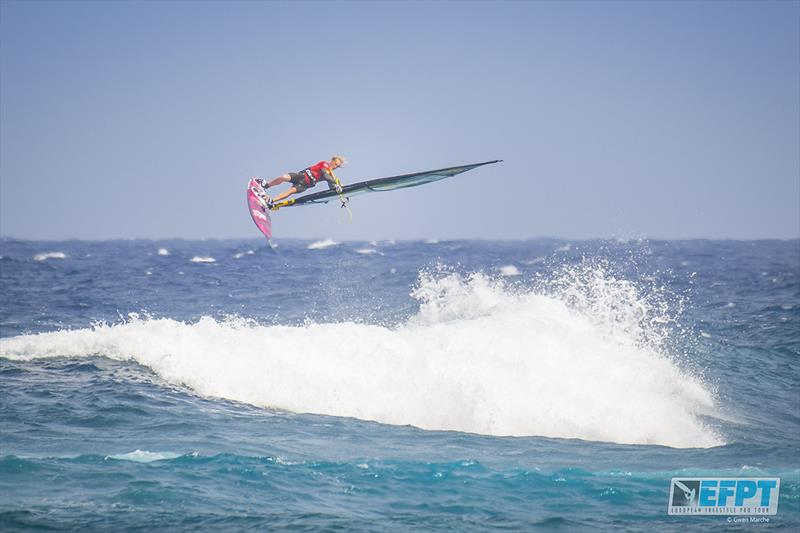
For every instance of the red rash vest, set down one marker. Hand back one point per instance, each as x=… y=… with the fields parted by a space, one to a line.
x=317 y=170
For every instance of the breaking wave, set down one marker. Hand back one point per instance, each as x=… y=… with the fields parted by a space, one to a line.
x=578 y=356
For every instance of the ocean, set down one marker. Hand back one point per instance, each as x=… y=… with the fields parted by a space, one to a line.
x=451 y=385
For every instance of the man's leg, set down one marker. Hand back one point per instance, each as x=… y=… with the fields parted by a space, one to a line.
x=279 y=180
x=285 y=194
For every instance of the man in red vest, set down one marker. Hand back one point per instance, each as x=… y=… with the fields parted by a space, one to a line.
x=306 y=178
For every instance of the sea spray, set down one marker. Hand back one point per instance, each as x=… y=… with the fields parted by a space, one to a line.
x=641 y=312
x=579 y=358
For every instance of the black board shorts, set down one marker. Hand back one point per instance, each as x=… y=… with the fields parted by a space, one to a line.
x=299 y=181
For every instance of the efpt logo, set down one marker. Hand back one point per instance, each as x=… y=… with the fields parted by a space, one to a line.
x=724 y=495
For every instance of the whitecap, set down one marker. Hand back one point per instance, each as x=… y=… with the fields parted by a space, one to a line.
x=534 y=261
x=49 y=255
x=367 y=251
x=321 y=245
x=508 y=270
x=143 y=456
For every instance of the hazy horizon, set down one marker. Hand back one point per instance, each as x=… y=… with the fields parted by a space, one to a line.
x=430 y=240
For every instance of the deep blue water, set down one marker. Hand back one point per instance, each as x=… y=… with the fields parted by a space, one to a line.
x=408 y=386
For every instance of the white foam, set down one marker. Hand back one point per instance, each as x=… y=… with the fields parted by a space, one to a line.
x=367 y=251
x=239 y=255
x=580 y=360
x=49 y=255
x=203 y=259
x=143 y=456
x=163 y=251
x=431 y=241
x=534 y=261
x=508 y=270
x=321 y=245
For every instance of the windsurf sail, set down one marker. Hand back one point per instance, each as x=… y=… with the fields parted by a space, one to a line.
x=390 y=183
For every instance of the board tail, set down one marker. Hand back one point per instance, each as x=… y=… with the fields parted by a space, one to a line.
x=257 y=210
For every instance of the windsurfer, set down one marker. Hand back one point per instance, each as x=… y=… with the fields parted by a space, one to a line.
x=306 y=178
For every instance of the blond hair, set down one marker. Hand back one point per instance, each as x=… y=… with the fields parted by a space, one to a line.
x=341 y=159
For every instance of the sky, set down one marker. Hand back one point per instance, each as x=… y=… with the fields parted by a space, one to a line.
x=613 y=119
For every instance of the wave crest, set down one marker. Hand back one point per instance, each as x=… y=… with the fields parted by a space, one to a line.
x=578 y=357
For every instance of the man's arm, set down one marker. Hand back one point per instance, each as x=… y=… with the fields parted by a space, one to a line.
x=333 y=181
